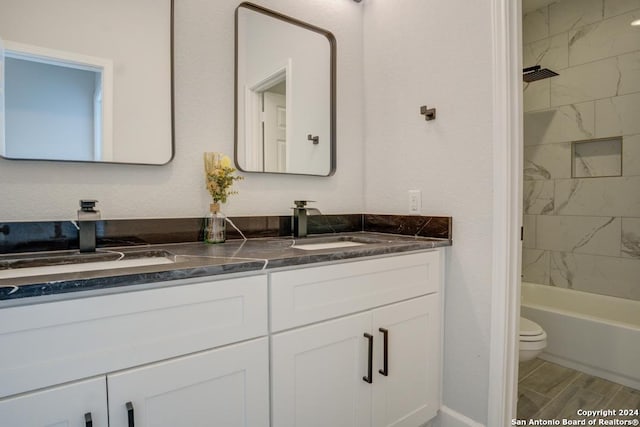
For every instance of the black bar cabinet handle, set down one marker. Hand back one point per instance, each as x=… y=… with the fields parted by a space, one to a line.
x=385 y=348
x=130 y=414
x=88 y=422
x=369 y=377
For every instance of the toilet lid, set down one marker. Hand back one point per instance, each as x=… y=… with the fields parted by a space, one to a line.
x=529 y=328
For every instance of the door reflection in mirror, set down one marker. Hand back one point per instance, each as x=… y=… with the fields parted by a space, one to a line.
x=57 y=105
x=266 y=123
x=274 y=128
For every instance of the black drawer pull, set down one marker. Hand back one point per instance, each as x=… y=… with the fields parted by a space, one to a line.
x=385 y=348
x=88 y=422
x=130 y=414
x=369 y=377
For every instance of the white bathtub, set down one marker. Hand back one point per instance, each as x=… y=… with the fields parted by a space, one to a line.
x=596 y=334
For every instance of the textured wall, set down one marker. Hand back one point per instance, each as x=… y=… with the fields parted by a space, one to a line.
x=204 y=122
x=438 y=53
x=582 y=229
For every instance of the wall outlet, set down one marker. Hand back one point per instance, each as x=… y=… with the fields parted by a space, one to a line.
x=415 y=202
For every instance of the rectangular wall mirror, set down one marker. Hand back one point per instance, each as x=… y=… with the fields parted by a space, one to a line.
x=87 y=80
x=285 y=94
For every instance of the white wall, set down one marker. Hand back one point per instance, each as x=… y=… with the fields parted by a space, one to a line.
x=204 y=122
x=438 y=53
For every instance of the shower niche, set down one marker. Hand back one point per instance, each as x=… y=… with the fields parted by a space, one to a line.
x=596 y=158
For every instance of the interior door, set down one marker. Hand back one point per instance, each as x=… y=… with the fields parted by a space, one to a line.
x=227 y=387
x=275 y=132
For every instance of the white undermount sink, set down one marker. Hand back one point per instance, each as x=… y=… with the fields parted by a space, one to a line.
x=69 y=266
x=327 y=245
x=334 y=242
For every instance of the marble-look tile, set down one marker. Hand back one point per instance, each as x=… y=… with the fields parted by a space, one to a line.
x=585 y=82
x=608 y=38
x=617 y=277
x=631 y=155
x=617 y=7
x=547 y=161
x=538 y=197
x=526 y=368
x=535 y=25
x=63 y=235
x=567 y=15
x=552 y=52
x=572 y=122
x=535 y=266
x=597 y=158
x=579 y=234
x=529 y=238
x=536 y=95
x=597 y=196
x=618 y=116
x=629 y=66
x=586 y=392
x=631 y=237
x=409 y=225
x=549 y=380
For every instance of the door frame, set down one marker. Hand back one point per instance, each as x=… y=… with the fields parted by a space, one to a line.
x=507 y=209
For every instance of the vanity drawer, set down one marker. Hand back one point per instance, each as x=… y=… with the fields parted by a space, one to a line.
x=51 y=343
x=308 y=295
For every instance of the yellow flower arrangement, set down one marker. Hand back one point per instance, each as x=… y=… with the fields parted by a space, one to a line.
x=219 y=176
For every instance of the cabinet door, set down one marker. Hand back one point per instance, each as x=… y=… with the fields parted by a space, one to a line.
x=62 y=406
x=409 y=394
x=317 y=375
x=223 y=387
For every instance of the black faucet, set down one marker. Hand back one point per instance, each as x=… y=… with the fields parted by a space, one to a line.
x=87 y=217
x=300 y=213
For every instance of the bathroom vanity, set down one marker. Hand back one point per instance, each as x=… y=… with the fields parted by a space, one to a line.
x=266 y=334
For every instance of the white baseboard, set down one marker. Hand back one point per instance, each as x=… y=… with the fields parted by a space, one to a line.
x=450 y=418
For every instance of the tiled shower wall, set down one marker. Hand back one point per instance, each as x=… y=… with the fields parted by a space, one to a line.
x=583 y=233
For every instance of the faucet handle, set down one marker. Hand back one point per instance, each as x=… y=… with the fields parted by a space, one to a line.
x=302 y=203
x=87 y=205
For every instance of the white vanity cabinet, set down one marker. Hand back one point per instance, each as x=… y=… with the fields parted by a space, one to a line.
x=322 y=374
x=227 y=387
x=171 y=352
x=298 y=347
x=77 y=404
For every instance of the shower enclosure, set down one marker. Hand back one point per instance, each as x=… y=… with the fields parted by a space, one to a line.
x=582 y=154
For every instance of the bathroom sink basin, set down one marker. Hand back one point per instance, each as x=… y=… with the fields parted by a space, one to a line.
x=38 y=265
x=337 y=242
x=334 y=245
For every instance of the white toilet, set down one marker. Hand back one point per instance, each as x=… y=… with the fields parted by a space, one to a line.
x=533 y=339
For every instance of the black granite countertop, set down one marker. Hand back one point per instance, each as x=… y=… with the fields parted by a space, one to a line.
x=193 y=260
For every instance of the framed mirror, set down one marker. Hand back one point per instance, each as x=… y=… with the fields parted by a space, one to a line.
x=87 y=80
x=285 y=78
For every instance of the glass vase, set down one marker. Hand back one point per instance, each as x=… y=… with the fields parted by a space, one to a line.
x=215 y=225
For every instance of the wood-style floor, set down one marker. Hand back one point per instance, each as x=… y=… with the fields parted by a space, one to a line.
x=553 y=392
